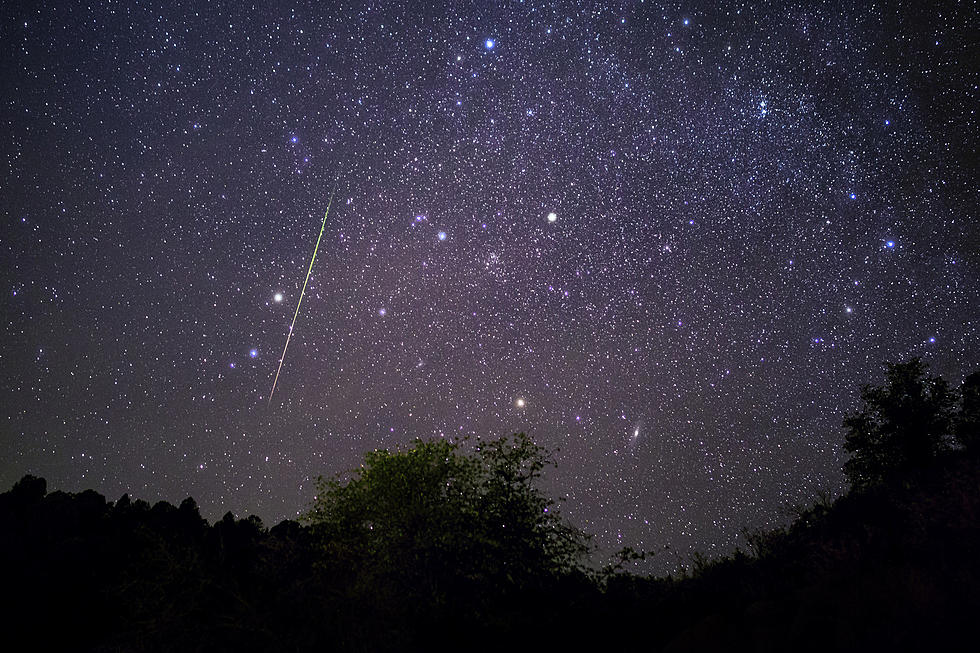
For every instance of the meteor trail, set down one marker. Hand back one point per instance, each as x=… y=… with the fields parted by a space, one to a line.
x=303 y=292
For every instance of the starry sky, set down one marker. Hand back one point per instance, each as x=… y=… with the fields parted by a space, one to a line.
x=667 y=240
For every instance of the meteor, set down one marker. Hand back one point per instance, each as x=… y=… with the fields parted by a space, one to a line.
x=303 y=292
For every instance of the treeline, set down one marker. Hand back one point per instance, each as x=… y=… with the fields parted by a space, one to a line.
x=450 y=545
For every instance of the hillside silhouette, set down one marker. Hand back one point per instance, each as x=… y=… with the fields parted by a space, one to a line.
x=451 y=545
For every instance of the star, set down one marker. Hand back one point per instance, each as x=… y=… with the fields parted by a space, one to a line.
x=489 y=43
x=552 y=217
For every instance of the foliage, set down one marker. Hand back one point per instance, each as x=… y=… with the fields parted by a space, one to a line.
x=433 y=522
x=902 y=426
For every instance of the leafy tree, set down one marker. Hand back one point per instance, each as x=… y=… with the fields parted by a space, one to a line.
x=433 y=522
x=902 y=425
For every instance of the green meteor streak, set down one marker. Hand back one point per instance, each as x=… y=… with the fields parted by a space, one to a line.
x=303 y=292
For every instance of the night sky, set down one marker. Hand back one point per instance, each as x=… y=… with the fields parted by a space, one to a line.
x=668 y=241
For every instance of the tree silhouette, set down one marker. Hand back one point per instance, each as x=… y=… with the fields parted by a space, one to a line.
x=902 y=425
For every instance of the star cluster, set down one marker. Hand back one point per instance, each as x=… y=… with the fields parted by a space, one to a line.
x=668 y=241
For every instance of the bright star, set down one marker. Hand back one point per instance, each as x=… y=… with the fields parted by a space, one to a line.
x=890 y=244
x=489 y=44
x=520 y=402
x=382 y=311
x=441 y=235
x=252 y=353
x=552 y=217
x=277 y=297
